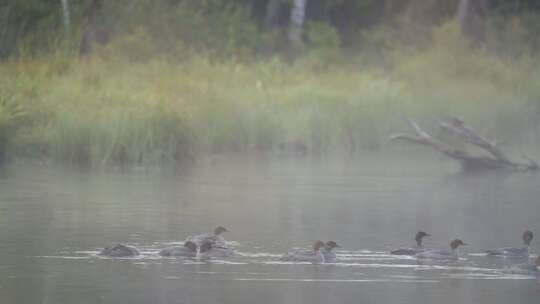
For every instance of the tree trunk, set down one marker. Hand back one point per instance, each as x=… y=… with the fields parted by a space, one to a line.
x=92 y=32
x=471 y=15
x=272 y=13
x=296 y=28
x=65 y=12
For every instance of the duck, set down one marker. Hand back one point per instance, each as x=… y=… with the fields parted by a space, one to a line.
x=522 y=252
x=315 y=256
x=326 y=250
x=189 y=250
x=216 y=239
x=525 y=269
x=451 y=254
x=119 y=251
x=217 y=253
x=412 y=251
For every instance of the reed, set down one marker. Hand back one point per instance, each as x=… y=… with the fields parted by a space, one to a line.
x=114 y=109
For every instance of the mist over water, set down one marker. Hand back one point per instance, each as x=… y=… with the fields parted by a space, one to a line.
x=54 y=221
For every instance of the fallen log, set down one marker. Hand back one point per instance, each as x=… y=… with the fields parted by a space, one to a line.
x=493 y=158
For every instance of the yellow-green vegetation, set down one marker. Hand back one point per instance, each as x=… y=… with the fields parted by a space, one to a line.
x=126 y=105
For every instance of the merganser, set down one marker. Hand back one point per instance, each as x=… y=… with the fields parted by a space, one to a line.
x=315 y=256
x=525 y=269
x=326 y=250
x=119 y=251
x=515 y=252
x=189 y=250
x=412 y=251
x=217 y=252
x=329 y=255
x=442 y=254
x=215 y=239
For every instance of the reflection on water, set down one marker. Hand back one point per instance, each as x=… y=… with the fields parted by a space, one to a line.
x=53 y=223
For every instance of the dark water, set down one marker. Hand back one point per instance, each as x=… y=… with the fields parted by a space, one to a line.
x=53 y=222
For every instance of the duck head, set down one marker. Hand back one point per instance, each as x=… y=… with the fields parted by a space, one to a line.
x=456 y=243
x=527 y=237
x=191 y=246
x=219 y=230
x=317 y=246
x=330 y=245
x=419 y=236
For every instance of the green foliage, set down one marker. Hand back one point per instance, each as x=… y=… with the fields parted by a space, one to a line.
x=322 y=36
x=217 y=27
x=11 y=113
x=109 y=110
x=179 y=79
x=516 y=36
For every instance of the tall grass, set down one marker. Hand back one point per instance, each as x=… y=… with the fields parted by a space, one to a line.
x=143 y=108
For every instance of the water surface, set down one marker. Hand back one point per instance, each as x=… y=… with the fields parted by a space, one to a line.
x=54 y=221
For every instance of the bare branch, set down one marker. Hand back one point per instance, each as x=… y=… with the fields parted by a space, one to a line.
x=469 y=161
x=457 y=127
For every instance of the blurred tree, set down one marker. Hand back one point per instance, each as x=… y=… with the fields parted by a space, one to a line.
x=66 y=14
x=471 y=15
x=92 y=30
x=31 y=25
x=272 y=13
x=296 y=27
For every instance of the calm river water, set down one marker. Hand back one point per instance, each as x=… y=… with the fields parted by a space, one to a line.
x=54 y=221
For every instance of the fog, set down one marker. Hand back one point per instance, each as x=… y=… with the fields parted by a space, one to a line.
x=246 y=151
x=57 y=220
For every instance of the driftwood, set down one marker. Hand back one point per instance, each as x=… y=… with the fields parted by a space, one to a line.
x=492 y=157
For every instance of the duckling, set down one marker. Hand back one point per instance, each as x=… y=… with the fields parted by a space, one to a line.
x=315 y=256
x=513 y=252
x=412 y=251
x=119 y=251
x=443 y=254
x=216 y=239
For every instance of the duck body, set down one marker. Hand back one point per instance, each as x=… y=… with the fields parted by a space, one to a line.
x=315 y=256
x=329 y=256
x=191 y=250
x=438 y=255
x=513 y=252
x=218 y=253
x=530 y=269
x=415 y=250
x=509 y=252
x=448 y=255
x=177 y=251
x=119 y=251
x=216 y=239
x=407 y=251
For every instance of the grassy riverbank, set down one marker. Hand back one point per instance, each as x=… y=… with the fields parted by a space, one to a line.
x=111 y=109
